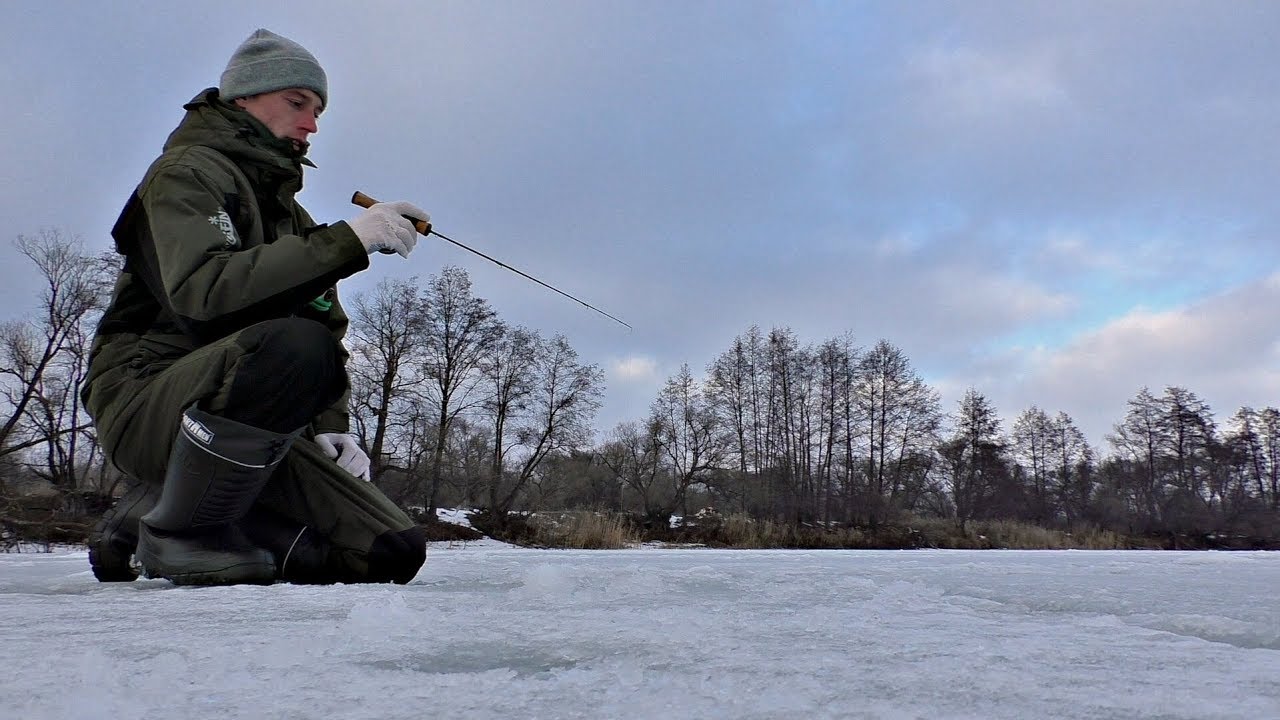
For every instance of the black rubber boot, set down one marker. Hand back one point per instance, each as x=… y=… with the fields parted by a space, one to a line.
x=216 y=469
x=114 y=538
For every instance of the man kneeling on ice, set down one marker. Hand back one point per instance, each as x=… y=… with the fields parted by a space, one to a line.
x=217 y=379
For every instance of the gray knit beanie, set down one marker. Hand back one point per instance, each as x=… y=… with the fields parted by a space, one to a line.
x=267 y=62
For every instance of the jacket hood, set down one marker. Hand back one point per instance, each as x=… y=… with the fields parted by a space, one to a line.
x=215 y=124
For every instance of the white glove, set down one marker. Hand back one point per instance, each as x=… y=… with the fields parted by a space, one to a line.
x=345 y=451
x=384 y=227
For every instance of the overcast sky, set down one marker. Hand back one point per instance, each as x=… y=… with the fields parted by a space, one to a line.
x=1053 y=203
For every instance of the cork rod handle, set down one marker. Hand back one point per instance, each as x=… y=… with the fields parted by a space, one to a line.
x=364 y=201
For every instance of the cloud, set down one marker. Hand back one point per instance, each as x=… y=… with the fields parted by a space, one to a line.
x=1226 y=349
x=1003 y=301
x=1074 y=251
x=635 y=369
x=975 y=84
x=1234 y=332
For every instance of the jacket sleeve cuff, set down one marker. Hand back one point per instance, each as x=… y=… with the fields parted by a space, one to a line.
x=352 y=249
x=332 y=421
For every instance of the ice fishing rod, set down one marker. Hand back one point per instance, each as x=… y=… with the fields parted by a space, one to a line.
x=424 y=228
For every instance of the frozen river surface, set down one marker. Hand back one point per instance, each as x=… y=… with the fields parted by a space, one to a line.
x=489 y=631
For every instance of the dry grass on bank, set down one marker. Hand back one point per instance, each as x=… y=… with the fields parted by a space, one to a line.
x=579 y=529
x=596 y=531
x=1006 y=534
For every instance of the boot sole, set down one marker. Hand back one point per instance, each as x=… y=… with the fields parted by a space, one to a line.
x=206 y=569
x=239 y=574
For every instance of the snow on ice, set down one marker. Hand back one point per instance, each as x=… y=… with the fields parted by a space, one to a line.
x=491 y=631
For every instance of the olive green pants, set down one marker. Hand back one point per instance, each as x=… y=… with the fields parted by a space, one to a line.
x=355 y=533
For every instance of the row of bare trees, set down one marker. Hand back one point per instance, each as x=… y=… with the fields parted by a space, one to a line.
x=456 y=406
x=826 y=433
x=833 y=433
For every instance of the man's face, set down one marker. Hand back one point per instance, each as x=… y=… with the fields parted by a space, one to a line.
x=290 y=114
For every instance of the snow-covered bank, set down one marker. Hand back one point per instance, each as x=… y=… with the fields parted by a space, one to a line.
x=491 y=631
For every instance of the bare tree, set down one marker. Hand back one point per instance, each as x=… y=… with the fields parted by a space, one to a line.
x=786 y=437
x=837 y=361
x=510 y=372
x=1035 y=447
x=1188 y=434
x=975 y=454
x=564 y=398
x=633 y=454
x=43 y=360
x=1269 y=428
x=690 y=445
x=901 y=415
x=1138 y=439
x=735 y=389
x=386 y=340
x=1072 y=467
x=1246 y=439
x=1171 y=445
x=459 y=330
x=26 y=357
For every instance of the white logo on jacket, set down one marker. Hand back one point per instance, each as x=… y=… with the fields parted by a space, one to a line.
x=222 y=221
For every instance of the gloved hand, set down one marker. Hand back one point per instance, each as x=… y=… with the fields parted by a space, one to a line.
x=346 y=452
x=384 y=227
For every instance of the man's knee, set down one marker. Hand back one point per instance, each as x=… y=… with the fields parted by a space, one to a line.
x=290 y=370
x=397 y=556
x=292 y=344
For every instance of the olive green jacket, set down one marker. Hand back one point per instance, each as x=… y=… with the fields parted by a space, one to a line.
x=214 y=242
